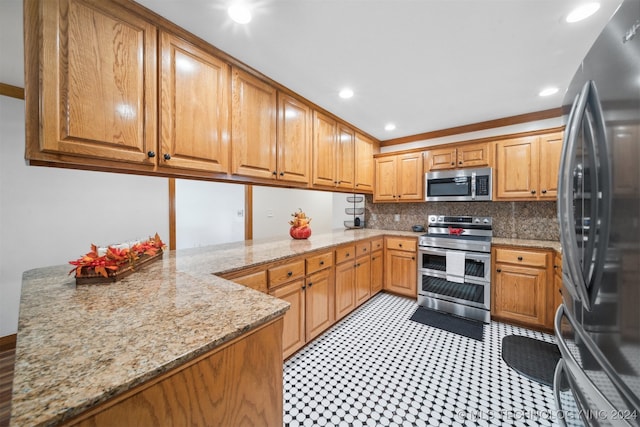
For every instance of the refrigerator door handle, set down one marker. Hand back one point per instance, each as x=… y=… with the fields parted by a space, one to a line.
x=566 y=218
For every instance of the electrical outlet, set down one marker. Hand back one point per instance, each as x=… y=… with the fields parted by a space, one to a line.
x=396 y=217
x=374 y=217
x=240 y=213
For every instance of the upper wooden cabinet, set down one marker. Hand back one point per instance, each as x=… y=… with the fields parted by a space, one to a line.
x=527 y=167
x=333 y=153
x=399 y=178
x=194 y=107
x=460 y=156
x=364 y=173
x=90 y=94
x=253 y=121
x=295 y=122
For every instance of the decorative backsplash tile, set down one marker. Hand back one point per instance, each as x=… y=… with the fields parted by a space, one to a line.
x=514 y=220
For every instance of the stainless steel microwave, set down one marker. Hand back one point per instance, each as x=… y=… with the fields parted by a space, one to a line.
x=460 y=185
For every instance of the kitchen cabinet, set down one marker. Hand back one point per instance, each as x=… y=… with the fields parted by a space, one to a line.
x=293 y=332
x=401 y=266
x=365 y=148
x=333 y=153
x=91 y=95
x=253 y=121
x=399 y=178
x=555 y=299
x=194 y=107
x=363 y=272
x=252 y=279
x=458 y=156
x=295 y=121
x=345 y=301
x=319 y=300
x=521 y=279
x=527 y=167
x=377 y=265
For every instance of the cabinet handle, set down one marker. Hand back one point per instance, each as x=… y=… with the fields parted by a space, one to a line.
x=167 y=156
x=151 y=154
x=413 y=258
x=555 y=267
x=452 y=163
x=304 y=287
x=357 y=265
x=321 y=262
x=373 y=258
x=289 y=273
x=274 y=173
x=533 y=191
x=499 y=270
x=364 y=249
x=460 y=162
x=400 y=244
x=544 y=191
x=519 y=258
x=281 y=173
x=310 y=284
x=347 y=254
x=399 y=195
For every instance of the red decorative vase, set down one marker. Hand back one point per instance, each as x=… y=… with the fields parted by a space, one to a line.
x=300 y=232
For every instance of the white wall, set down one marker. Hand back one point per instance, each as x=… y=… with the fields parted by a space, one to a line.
x=208 y=213
x=49 y=216
x=272 y=209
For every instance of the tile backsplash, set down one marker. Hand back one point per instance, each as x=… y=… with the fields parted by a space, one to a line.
x=516 y=220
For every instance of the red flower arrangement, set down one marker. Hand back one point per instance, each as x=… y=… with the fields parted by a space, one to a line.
x=116 y=258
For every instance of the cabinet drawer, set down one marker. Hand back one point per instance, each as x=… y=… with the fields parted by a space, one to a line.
x=363 y=248
x=257 y=281
x=285 y=273
x=377 y=244
x=401 y=244
x=345 y=253
x=318 y=262
x=522 y=257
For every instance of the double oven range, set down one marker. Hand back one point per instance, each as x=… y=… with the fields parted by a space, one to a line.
x=454 y=266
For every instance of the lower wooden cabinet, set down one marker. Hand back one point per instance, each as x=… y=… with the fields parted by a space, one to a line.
x=345 y=281
x=319 y=300
x=363 y=279
x=293 y=331
x=401 y=266
x=377 y=264
x=522 y=286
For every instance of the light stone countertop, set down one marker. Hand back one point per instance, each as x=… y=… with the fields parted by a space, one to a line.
x=533 y=244
x=79 y=346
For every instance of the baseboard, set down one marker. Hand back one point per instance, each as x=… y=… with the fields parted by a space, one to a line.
x=8 y=342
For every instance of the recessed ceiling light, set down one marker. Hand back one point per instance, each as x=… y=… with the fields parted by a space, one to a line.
x=240 y=13
x=548 y=91
x=389 y=127
x=346 y=93
x=583 y=12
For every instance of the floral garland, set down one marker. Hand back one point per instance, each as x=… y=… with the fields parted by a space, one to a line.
x=115 y=258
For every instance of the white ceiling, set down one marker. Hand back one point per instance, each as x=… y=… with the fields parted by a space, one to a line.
x=422 y=64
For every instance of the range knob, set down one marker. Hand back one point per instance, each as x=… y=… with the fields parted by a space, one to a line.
x=477 y=220
x=486 y=221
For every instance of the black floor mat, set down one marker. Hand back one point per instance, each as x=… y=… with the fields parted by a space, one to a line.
x=530 y=357
x=457 y=325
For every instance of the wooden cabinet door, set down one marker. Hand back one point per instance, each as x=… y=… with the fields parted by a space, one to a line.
x=363 y=182
x=386 y=172
x=410 y=177
x=294 y=139
x=363 y=279
x=253 y=120
x=473 y=155
x=345 y=160
x=324 y=150
x=377 y=263
x=401 y=273
x=293 y=333
x=442 y=158
x=345 y=289
x=194 y=107
x=550 y=152
x=98 y=82
x=519 y=294
x=517 y=168
x=319 y=303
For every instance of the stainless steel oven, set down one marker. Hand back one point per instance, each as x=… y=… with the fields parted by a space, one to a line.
x=454 y=266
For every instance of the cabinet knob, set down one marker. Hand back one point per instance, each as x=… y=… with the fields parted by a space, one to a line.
x=303 y=287
x=289 y=273
x=357 y=265
x=281 y=173
x=321 y=262
x=452 y=163
x=499 y=270
x=364 y=249
x=544 y=191
x=555 y=267
x=533 y=191
x=413 y=258
x=400 y=244
x=310 y=284
x=167 y=156
x=519 y=258
x=274 y=173
x=151 y=154
x=460 y=162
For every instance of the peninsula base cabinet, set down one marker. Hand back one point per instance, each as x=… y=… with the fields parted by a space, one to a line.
x=237 y=384
x=401 y=266
x=522 y=286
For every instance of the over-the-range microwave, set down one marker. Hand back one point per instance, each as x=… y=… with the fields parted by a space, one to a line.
x=458 y=185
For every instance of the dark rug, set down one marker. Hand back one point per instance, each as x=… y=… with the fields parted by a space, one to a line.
x=530 y=357
x=465 y=327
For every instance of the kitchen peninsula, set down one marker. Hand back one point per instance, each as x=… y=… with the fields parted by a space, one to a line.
x=83 y=350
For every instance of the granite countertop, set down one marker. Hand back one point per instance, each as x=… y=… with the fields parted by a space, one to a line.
x=535 y=244
x=79 y=346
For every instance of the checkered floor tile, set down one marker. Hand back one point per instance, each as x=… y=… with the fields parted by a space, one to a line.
x=378 y=368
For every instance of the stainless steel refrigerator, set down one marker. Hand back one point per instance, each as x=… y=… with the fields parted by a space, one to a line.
x=597 y=381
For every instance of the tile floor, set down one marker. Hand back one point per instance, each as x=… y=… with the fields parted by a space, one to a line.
x=378 y=368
